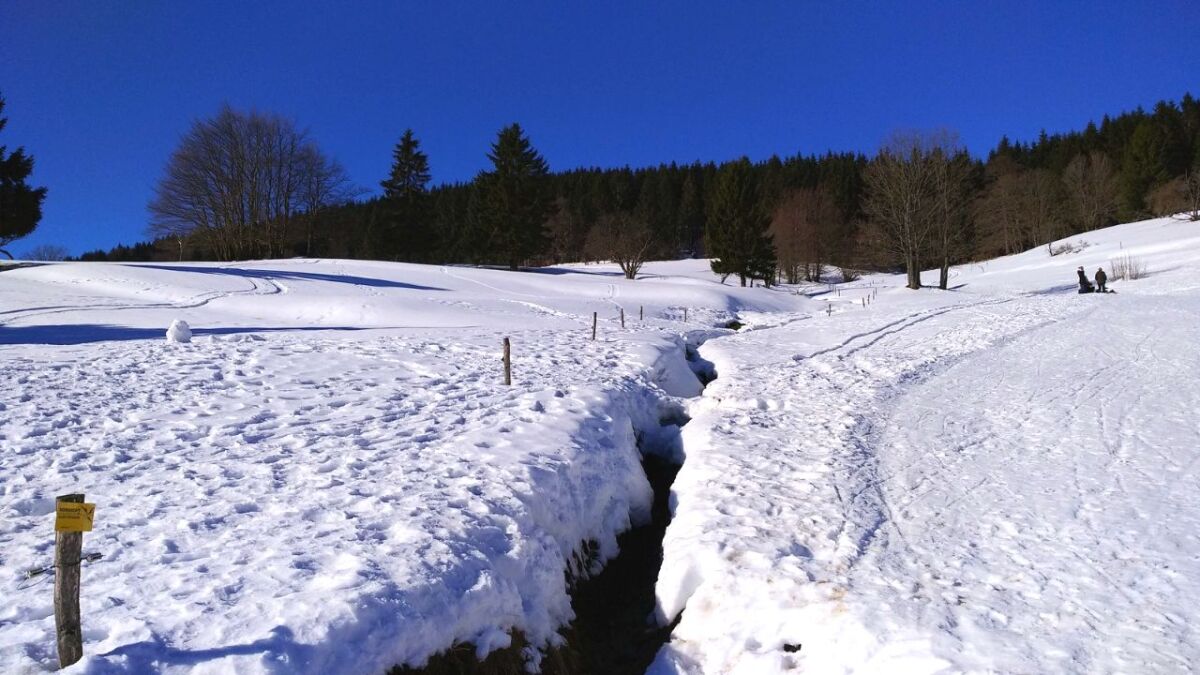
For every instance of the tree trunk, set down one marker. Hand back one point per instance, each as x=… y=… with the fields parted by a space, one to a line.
x=914 y=273
x=944 y=279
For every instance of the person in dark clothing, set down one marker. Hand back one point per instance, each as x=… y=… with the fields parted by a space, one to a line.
x=1085 y=285
x=1101 y=277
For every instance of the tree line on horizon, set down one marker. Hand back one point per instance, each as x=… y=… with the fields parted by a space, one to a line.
x=921 y=202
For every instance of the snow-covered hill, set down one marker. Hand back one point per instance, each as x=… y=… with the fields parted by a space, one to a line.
x=331 y=477
x=995 y=479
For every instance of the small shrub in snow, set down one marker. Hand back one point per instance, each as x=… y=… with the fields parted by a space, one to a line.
x=179 y=331
x=1128 y=268
x=1067 y=247
x=850 y=274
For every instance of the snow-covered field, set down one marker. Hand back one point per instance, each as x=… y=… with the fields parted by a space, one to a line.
x=995 y=479
x=331 y=476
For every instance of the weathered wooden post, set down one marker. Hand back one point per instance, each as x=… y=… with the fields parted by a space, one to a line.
x=641 y=313
x=72 y=519
x=685 y=314
x=594 y=326
x=507 y=362
x=622 y=317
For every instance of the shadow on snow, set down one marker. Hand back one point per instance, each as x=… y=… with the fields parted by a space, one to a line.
x=85 y=333
x=293 y=275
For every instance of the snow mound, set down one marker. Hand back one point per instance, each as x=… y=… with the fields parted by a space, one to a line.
x=179 y=331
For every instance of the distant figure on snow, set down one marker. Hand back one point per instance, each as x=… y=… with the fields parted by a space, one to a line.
x=1085 y=285
x=1101 y=277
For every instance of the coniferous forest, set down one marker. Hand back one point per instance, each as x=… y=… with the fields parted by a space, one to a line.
x=789 y=218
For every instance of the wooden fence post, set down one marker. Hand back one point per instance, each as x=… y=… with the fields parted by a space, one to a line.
x=594 y=326
x=507 y=362
x=68 y=551
x=685 y=314
x=641 y=313
x=622 y=317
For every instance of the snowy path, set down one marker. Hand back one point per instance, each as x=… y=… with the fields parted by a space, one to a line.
x=1060 y=529
x=978 y=485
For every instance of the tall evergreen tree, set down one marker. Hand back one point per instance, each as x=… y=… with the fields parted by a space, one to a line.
x=20 y=204
x=410 y=170
x=737 y=235
x=405 y=230
x=514 y=201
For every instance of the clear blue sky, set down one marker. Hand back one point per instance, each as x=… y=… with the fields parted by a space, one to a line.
x=99 y=92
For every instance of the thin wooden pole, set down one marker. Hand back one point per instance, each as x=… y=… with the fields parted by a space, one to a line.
x=641 y=313
x=507 y=362
x=68 y=549
x=594 y=326
x=622 y=317
x=685 y=314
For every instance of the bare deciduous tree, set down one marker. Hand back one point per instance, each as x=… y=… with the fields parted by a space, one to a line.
x=237 y=182
x=805 y=227
x=1021 y=210
x=622 y=238
x=1091 y=183
x=951 y=167
x=1178 y=195
x=902 y=195
x=47 y=253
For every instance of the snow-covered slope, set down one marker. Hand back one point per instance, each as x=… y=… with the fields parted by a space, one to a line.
x=995 y=479
x=331 y=477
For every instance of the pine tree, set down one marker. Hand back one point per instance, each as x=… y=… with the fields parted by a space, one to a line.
x=404 y=230
x=737 y=236
x=410 y=170
x=513 y=200
x=20 y=205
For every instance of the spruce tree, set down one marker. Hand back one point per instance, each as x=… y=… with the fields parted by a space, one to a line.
x=513 y=200
x=20 y=205
x=737 y=236
x=410 y=170
x=405 y=231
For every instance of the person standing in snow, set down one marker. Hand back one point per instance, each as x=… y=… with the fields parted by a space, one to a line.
x=1101 y=277
x=1085 y=286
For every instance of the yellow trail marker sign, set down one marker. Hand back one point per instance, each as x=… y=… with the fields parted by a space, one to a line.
x=74 y=517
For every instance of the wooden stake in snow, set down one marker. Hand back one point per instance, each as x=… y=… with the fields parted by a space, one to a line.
x=507 y=362
x=641 y=313
x=685 y=314
x=594 y=326
x=622 y=317
x=70 y=524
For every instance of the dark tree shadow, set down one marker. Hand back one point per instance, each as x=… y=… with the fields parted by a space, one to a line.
x=86 y=333
x=155 y=655
x=294 y=275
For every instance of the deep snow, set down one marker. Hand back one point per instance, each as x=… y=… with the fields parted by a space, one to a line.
x=331 y=478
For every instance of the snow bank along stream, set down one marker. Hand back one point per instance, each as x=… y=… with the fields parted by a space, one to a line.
x=614 y=630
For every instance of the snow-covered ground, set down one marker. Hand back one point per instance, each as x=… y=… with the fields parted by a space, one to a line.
x=331 y=476
x=995 y=479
